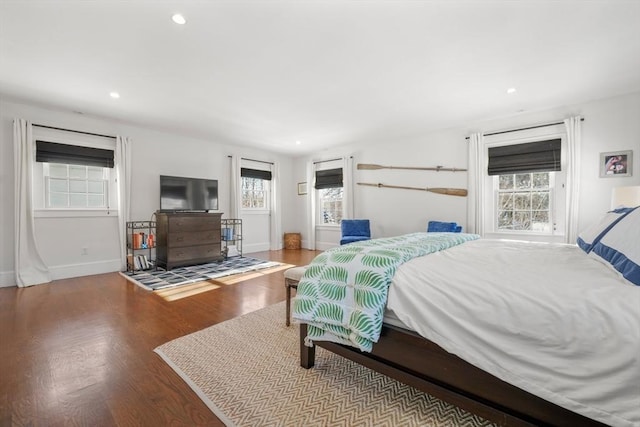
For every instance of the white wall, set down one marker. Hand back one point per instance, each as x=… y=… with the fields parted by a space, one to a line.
x=610 y=124
x=154 y=153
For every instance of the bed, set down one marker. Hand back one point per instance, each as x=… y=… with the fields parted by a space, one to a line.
x=482 y=326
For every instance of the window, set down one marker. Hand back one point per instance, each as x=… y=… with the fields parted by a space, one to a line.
x=76 y=186
x=330 y=196
x=525 y=188
x=331 y=205
x=255 y=193
x=524 y=202
x=75 y=176
x=255 y=184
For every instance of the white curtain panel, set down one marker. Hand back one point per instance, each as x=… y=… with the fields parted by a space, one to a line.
x=347 y=176
x=574 y=137
x=276 y=211
x=234 y=190
x=123 y=179
x=475 y=198
x=311 y=205
x=30 y=269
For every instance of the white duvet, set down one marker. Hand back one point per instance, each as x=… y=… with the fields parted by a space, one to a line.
x=545 y=317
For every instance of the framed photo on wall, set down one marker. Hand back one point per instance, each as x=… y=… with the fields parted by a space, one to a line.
x=302 y=188
x=616 y=164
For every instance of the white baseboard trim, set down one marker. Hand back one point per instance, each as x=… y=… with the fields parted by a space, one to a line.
x=320 y=246
x=85 y=269
x=7 y=279
x=323 y=246
x=255 y=247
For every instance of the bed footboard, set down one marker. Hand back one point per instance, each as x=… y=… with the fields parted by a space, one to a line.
x=420 y=363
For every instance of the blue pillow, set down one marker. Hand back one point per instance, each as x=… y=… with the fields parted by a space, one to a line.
x=443 y=227
x=588 y=238
x=620 y=246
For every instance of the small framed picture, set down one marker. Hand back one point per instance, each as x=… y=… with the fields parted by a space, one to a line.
x=302 y=188
x=616 y=163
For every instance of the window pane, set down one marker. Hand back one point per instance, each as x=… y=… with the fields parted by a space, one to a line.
x=540 y=200
x=522 y=220
x=58 y=200
x=258 y=184
x=72 y=191
x=505 y=220
x=58 y=185
x=96 y=173
x=253 y=199
x=331 y=205
x=96 y=187
x=523 y=180
x=77 y=186
x=522 y=201
x=77 y=200
x=541 y=180
x=253 y=184
x=254 y=193
x=95 y=200
x=76 y=171
x=505 y=201
x=57 y=170
x=506 y=182
x=540 y=220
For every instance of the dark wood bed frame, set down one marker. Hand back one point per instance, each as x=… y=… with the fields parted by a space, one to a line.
x=418 y=362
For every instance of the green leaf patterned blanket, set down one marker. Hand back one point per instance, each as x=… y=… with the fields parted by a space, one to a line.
x=343 y=293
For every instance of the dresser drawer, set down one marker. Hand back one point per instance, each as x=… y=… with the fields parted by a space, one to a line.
x=189 y=238
x=194 y=253
x=192 y=222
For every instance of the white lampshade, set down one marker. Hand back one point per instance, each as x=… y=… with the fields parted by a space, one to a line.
x=625 y=196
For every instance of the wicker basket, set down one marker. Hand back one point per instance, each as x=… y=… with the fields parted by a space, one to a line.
x=292 y=241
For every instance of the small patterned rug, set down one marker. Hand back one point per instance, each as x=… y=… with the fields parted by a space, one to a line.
x=160 y=279
x=247 y=371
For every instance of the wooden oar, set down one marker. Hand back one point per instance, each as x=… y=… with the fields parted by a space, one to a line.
x=369 y=166
x=448 y=191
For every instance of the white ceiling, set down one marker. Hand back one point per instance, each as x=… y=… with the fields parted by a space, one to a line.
x=325 y=73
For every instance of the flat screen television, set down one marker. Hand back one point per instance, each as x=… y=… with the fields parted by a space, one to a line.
x=188 y=194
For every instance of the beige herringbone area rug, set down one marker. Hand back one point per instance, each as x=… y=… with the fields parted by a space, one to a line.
x=247 y=371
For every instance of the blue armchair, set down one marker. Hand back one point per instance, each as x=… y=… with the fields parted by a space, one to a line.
x=354 y=230
x=443 y=227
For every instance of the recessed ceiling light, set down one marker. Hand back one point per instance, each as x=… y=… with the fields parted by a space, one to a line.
x=298 y=143
x=178 y=19
x=511 y=90
x=114 y=95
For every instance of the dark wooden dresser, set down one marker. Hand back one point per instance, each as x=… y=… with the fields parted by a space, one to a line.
x=187 y=238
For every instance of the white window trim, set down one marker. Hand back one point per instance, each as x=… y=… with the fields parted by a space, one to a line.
x=255 y=211
x=74 y=213
x=267 y=201
x=324 y=165
x=39 y=193
x=106 y=184
x=558 y=202
x=552 y=211
x=319 y=218
x=328 y=227
x=246 y=163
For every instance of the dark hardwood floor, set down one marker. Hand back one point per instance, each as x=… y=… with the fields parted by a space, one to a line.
x=80 y=351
